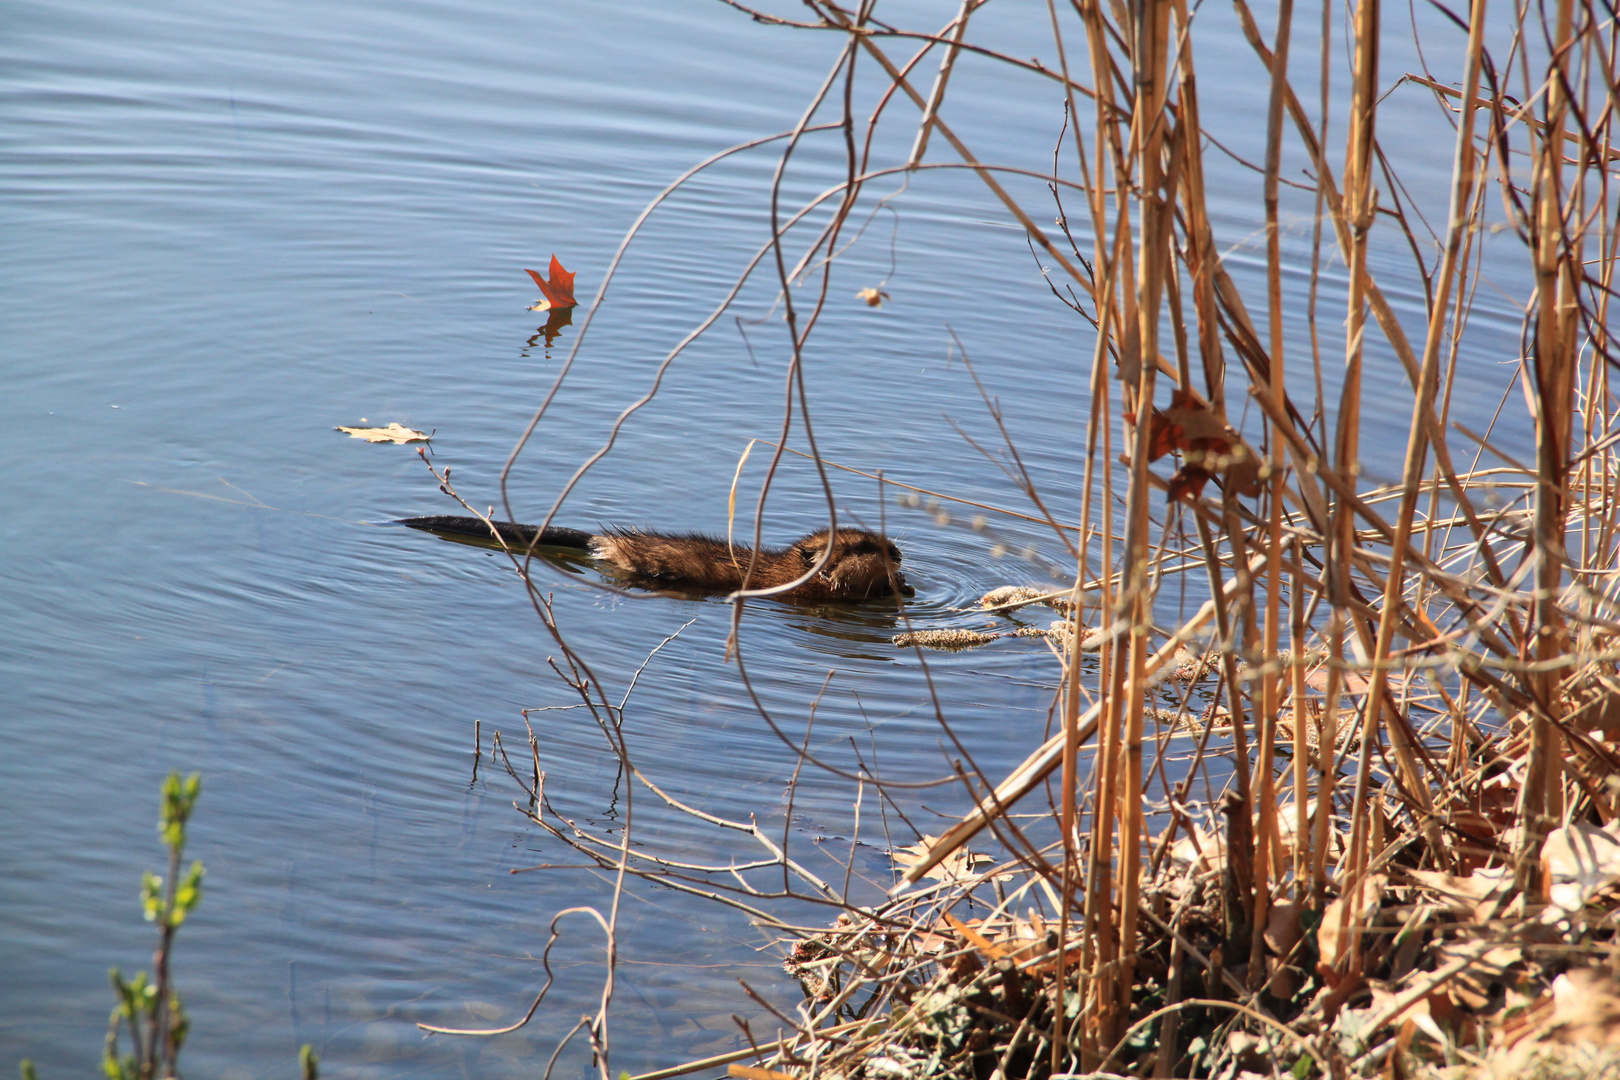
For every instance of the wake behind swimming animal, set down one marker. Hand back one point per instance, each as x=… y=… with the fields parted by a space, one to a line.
x=862 y=565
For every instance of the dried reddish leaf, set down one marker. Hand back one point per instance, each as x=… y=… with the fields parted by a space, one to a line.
x=873 y=297
x=1243 y=474
x=1162 y=436
x=558 y=292
x=1211 y=448
x=1188 y=483
x=1197 y=427
x=1209 y=445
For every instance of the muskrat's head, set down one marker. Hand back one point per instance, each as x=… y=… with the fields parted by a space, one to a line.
x=862 y=565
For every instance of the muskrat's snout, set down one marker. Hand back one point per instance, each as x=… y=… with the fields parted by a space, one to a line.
x=868 y=578
x=863 y=565
x=872 y=569
x=892 y=577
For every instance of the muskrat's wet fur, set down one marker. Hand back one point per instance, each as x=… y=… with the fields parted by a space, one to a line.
x=863 y=564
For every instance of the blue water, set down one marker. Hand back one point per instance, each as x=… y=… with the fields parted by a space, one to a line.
x=229 y=230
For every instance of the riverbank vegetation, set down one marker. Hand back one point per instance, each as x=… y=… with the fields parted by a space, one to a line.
x=1356 y=815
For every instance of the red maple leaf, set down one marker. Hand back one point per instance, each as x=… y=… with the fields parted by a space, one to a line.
x=559 y=291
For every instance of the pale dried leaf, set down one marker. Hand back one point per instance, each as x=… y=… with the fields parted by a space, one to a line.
x=1492 y=964
x=1327 y=935
x=394 y=433
x=1476 y=987
x=1201 y=853
x=1385 y=995
x=1207 y=850
x=1586 y=1008
x=1282 y=927
x=959 y=865
x=1471 y=896
x=1543 y=1061
x=1026 y=932
x=1583 y=860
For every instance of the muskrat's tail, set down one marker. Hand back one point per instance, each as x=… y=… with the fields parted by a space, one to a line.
x=513 y=533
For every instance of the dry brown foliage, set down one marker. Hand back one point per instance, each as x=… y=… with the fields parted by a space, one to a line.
x=1412 y=859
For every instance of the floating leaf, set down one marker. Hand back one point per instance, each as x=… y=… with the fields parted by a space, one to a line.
x=559 y=291
x=960 y=865
x=394 y=433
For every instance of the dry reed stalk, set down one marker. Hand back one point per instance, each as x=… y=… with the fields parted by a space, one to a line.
x=1149 y=120
x=1551 y=365
x=1040 y=764
x=1359 y=206
x=1108 y=248
x=1466 y=676
x=1458 y=225
x=1270 y=701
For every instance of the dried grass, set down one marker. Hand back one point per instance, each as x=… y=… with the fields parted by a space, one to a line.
x=1414 y=685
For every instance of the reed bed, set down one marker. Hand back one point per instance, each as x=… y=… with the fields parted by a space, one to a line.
x=1386 y=838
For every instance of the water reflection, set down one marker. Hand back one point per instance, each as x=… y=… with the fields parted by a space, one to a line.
x=556 y=319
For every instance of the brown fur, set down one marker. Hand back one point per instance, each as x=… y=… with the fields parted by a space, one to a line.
x=863 y=564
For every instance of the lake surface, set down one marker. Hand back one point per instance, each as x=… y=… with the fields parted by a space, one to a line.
x=228 y=230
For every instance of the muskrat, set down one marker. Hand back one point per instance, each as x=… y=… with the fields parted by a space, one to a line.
x=863 y=564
